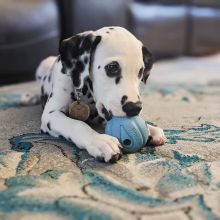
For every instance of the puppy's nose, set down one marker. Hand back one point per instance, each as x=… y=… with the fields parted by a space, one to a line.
x=132 y=108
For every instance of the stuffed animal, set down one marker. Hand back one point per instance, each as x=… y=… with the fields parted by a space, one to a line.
x=132 y=132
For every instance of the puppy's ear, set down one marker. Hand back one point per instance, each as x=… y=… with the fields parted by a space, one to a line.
x=148 y=63
x=76 y=55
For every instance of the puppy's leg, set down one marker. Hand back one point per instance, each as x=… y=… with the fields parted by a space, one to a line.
x=100 y=146
x=157 y=134
x=56 y=123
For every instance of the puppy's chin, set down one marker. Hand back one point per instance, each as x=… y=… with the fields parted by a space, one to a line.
x=117 y=112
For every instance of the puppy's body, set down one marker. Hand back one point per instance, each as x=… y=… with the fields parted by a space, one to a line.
x=107 y=66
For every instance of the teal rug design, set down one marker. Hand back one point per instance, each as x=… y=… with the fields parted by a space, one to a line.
x=42 y=177
x=95 y=183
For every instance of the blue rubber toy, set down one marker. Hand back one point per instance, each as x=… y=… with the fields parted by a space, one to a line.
x=132 y=132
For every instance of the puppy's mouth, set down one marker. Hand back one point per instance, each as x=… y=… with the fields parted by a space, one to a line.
x=108 y=114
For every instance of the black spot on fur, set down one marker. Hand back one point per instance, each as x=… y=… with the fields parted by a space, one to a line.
x=62 y=112
x=107 y=114
x=44 y=78
x=90 y=84
x=48 y=126
x=117 y=80
x=92 y=102
x=86 y=60
x=101 y=120
x=89 y=95
x=94 y=115
x=51 y=94
x=140 y=73
x=42 y=90
x=61 y=136
x=44 y=132
x=99 y=67
x=73 y=96
x=148 y=63
x=123 y=99
x=75 y=75
x=94 y=45
x=80 y=66
x=44 y=99
x=107 y=32
x=39 y=77
x=84 y=90
x=63 y=70
x=87 y=44
x=111 y=28
x=51 y=111
x=49 y=78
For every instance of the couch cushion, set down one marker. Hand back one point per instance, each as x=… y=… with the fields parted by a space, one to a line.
x=207 y=3
x=205 y=34
x=25 y=20
x=161 y=28
x=29 y=33
x=163 y=2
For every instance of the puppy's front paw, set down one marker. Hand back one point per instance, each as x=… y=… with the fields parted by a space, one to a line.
x=158 y=136
x=105 y=148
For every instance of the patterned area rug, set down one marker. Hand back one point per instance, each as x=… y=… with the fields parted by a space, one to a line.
x=42 y=177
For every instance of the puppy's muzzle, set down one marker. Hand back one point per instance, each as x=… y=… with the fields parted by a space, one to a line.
x=132 y=108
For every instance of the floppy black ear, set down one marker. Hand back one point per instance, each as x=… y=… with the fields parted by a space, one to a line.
x=76 y=55
x=148 y=63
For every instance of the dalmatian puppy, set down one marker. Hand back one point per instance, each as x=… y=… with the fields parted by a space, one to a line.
x=107 y=66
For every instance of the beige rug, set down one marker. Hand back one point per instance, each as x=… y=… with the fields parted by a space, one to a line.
x=42 y=177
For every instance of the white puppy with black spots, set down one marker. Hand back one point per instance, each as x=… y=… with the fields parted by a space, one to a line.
x=107 y=65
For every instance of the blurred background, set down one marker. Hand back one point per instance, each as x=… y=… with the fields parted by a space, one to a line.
x=31 y=30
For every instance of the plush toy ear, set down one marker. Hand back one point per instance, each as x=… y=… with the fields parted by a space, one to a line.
x=148 y=63
x=76 y=55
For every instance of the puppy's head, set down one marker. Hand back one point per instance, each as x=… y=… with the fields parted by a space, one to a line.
x=120 y=63
x=115 y=61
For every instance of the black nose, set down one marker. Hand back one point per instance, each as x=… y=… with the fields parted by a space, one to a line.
x=132 y=108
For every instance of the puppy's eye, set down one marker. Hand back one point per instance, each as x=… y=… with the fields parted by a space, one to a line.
x=140 y=74
x=113 y=69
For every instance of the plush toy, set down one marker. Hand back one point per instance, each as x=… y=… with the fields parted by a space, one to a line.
x=132 y=132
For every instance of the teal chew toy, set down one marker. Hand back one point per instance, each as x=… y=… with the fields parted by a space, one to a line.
x=132 y=132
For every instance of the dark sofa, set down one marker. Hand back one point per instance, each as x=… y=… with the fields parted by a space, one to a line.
x=32 y=29
x=29 y=31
